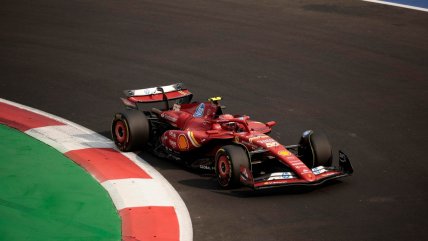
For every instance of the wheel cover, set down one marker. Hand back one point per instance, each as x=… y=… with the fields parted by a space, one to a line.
x=224 y=170
x=120 y=132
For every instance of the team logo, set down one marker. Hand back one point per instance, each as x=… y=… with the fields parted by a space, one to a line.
x=284 y=153
x=287 y=175
x=199 y=111
x=182 y=142
x=148 y=91
x=253 y=138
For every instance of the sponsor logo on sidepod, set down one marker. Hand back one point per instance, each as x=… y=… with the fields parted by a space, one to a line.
x=199 y=111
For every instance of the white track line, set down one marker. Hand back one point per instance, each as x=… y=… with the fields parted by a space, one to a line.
x=397 y=5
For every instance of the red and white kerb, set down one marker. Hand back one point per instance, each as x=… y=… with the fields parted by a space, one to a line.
x=148 y=205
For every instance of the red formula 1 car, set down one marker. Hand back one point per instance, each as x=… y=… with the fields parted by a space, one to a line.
x=238 y=149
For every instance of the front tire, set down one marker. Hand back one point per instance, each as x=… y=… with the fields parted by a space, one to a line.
x=315 y=149
x=228 y=162
x=130 y=130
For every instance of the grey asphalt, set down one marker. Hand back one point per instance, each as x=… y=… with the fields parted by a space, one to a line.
x=357 y=71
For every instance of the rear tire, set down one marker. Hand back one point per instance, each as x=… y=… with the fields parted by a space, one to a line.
x=228 y=162
x=315 y=149
x=130 y=130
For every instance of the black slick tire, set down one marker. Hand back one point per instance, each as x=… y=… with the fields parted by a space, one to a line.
x=130 y=130
x=315 y=149
x=228 y=162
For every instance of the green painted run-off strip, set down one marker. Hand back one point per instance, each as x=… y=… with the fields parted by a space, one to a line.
x=45 y=196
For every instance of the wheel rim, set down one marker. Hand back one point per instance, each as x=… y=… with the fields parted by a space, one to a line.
x=120 y=132
x=223 y=170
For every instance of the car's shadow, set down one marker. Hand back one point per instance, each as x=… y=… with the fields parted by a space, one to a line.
x=207 y=181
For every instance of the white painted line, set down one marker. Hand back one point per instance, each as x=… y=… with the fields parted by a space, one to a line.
x=137 y=192
x=397 y=5
x=68 y=138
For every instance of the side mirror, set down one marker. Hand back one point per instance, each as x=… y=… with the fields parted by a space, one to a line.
x=270 y=124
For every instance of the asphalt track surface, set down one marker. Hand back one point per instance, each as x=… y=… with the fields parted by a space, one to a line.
x=355 y=70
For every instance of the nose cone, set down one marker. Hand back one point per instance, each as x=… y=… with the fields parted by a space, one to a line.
x=296 y=165
x=310 y=177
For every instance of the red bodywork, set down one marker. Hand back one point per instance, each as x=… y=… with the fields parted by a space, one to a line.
x=198 y=124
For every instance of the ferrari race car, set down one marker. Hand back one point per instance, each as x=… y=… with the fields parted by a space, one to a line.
x=237 y=149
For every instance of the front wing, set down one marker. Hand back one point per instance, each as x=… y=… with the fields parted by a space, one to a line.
x=282 y=179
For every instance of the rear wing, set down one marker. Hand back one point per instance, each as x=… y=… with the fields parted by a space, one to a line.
x=158 y=94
